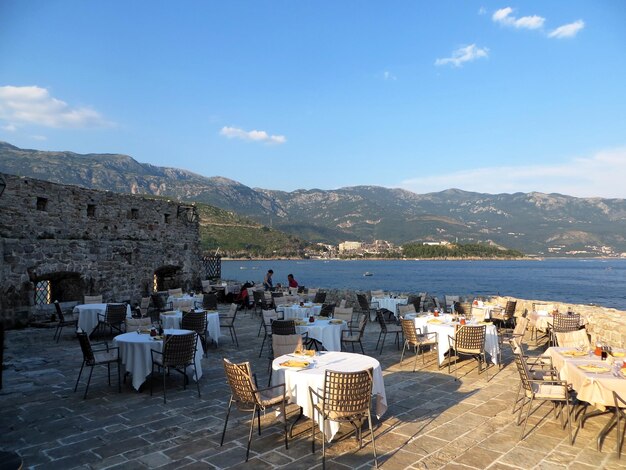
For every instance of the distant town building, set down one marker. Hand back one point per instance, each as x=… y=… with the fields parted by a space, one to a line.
x=349 y=246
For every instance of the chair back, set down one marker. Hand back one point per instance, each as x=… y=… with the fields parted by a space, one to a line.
x=268 y=317
x=470 y=339
x=562 y=322
x=283 y=327
x=520 y=327
x=362 y=319
x=344 y=314
x=286 y=344
x=451 y=300
x=242 y=388
x=573 y=339
x=363 y=303
x=416 y=301
x=179 y=350
x=509 y=309
x=177 y=291
x=209 y=301
x=194 y=321
x=327 y=310
x=404 y=309
x=115 y=314
x=159 y=301
x=320 y=297
x=409 y=331
x=92 y=299
x=346 y=394
x=143 y=307
x=133 y=324
x=59 y=311
x=524 y=373
x=85 y=346
x=206 y=285
x=381 y=321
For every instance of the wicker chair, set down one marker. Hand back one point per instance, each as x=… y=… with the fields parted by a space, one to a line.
x=267 y=317
x=404 y=309
x=102 y=356
x=354 y=333
x=413 y=337
x=562 y=323
x=227 y=320
x=384 y=329
x=144 y=307
x=248 y=397
x=196 y=321
x=346 y=314
x=92 y=299
x=327 y=310
x=552 y=390
x=469 y=340
x=134 y=324
x=114 y=316
x=283 y=327
x=281 y=345
x=346 y=397
x=179 y=352
x=209 y=301
x=320 y=297
x=63 y=321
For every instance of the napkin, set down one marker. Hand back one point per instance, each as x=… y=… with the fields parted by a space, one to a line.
x=306 y=352
x=574 y=353
x=168 y=313
x=301 y=323
x=336 y=322
x=293 y=363
x=618 y=354
x=157 y=338
x=594 y=368
x=435 y=320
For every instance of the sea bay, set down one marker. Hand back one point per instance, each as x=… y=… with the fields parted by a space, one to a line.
x=579 y=281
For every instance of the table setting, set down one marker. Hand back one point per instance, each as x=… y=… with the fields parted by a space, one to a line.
x=88 y=315
x=173 y=318
x=325 y=331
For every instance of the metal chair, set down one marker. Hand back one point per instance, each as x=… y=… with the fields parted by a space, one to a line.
x=413 y=337
x=384 y=329
x=281 y=345
x=562 y=323
x=404 y=309
x=209 y=301
x=92 y=299
x=228 y=321
x=327 y=310
x=63 y=321
x=196 y=321
x=104 y=356
x=346 y=314
x=354 y=334
x=179 y=352
x=320 y=297
x=267 y=317
x=469 y=340
x=114 y=316
x=365 y=306
x=248 y=397
x=346 y=397
x=620 y=414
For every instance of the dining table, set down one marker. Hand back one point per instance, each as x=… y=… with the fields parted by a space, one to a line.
x=445 y=325
x=388 y=302
x=298 y=380
x=299 y=312
x=88 y=315
x=174 y=318
x=136 y=357
x=185 y=301
x=325 y=331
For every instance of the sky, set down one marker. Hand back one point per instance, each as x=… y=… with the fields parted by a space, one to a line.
x=423 y=95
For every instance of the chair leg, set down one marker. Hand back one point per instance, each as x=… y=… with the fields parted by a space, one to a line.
x=402 y=355
x=79 y=374
x=195 y=372
x=362 y=350
x=88 y=382
x=119 y=379
x=323 y=444
x=262 y=345
x=382 y=345
x=235 y=335
x=379 y=335
x=312 y=432
x=230 y=402
x=369 y=419
x=164 y=395
x=417 y=350
x=250 y=433
x=530 y=406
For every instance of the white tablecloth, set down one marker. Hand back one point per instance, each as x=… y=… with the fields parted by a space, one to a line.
x=482 y=313
x=185 y=302
x=137 y=359
x=329 y=334
x=173 y=319
x=297 y=382
x=297 y=312
x=443 y=330
x=88 y=315
x=389 y=303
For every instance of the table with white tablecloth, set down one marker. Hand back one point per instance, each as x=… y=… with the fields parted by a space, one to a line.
x=297 y=312
x=174 y=318
x=88 y=315
x=137 y=359
x=327 y=332
x=444 y=327
x=184 y=302
x=298 y=381
x=389 y=303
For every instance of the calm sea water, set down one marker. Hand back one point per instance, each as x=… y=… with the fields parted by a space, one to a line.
x=600 y=282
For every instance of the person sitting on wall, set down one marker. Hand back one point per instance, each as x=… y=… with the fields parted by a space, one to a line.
x=268 y=284
x=292 y=282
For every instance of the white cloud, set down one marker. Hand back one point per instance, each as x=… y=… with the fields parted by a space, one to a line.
x=33 y=105
x=38 y=137
x=600 y=175
x=504 y=16
x=387 y=75
x=254 y=135
x=482 y=11
x=9 y=128
x=567 y=30
x=464 y=54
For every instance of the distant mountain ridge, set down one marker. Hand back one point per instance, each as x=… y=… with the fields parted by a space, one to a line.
x=531 y=222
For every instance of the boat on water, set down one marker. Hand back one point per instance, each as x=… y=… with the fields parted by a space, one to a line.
x=367 y=273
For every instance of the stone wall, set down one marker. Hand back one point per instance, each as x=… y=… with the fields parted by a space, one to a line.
x=89 y=242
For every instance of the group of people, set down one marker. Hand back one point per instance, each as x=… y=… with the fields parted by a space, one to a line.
x=268 y=282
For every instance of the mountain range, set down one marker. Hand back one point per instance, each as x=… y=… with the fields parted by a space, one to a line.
x=535 y=223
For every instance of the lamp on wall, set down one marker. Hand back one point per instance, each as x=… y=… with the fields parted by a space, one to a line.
x=3 y=184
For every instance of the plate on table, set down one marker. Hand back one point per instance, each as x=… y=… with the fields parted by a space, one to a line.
x=435 y=321
x=301 y=323
x=306 y=352
x=291 y=363
x=594 y=368
x=157 y=338
x=574 y=353
x=335 y=322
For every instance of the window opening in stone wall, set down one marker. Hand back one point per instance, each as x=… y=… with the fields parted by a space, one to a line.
x=42 y=292
x=42 y=203
x=134 y=214
x=155 y=283
x=91 y=210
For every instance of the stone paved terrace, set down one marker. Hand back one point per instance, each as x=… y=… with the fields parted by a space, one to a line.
x=432 y=422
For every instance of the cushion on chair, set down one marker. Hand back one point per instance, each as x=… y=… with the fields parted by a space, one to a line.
x=106 y=356
x=549 y=391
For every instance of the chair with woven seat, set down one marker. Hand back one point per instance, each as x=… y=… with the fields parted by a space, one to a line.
x=404 y=309
x=227 y=320
x=103 y=355
x=134 y=324
x=247 y=397
x=345 y=397
x=196 y=321
x=384 y=330
x=281 y=345
x=413 y=337
x=114 y=316
x=179 y=352
x=469 y=340
x=144 y=307
x=320 y=298
x=346 y=314
x=545 y=390
x=562 y=323
x=92 y=299
x=354 y=333
x=63 y=321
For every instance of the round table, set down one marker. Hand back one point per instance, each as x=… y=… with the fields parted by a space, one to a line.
x=136 y=356
x=299 y=313
x=184 y=302
x=389 y=303
x=174 y=318
x=88 y=315
x=327 y=333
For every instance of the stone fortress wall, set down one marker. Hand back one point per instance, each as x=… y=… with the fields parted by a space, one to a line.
x=89 y=242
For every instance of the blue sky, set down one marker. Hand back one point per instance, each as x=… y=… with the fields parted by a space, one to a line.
x=483 y=96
